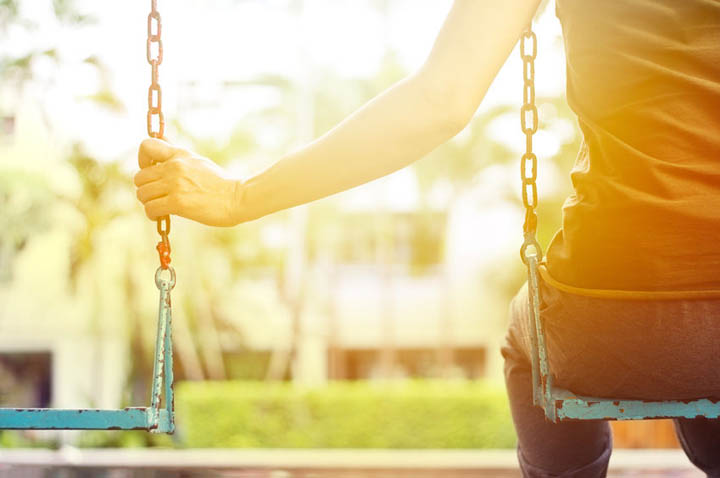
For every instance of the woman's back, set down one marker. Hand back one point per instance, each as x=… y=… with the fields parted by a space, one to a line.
x=643 y=77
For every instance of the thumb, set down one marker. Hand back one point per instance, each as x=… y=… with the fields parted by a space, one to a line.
x=153 y=151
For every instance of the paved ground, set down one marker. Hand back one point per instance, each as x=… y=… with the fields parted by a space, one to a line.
x=73 y=463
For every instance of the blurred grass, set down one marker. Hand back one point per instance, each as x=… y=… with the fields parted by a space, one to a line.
x=413 y=414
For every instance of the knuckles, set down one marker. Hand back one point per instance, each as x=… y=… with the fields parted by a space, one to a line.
x=175 y=184
x=173 y=177
x=176 y=166
x=145 y=156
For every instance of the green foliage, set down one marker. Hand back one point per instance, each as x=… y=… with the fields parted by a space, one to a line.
x=66 y=11
x=247 y=365
x=99 y=182
x=24 y=439
x=24 y=201
x=417 y=414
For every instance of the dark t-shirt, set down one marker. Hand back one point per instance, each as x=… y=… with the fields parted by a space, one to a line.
x=643 y=77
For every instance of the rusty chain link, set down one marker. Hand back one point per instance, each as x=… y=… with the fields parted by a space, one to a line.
x=529 y=125
x=156 y=128
x=154 y=92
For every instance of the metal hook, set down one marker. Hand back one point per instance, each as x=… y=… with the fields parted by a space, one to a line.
x=159 y=280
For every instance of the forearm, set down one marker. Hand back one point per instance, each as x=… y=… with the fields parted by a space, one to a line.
x=394 y=129
x=405 y=122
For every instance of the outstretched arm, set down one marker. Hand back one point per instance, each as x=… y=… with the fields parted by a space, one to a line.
x=391 y=131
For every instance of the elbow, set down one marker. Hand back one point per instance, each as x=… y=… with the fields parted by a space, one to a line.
x=451 y=109
x=459 y=119
x=456 y=119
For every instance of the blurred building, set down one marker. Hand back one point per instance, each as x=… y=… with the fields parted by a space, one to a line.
x=56 y=348
x=386 y=290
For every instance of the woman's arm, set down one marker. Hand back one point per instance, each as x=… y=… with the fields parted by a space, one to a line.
x=391 y=131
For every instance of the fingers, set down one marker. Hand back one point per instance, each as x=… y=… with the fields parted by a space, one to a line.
x=148 y=175
x=157 y=208
x=153 y=151
x=154 y=157
x=152 y=191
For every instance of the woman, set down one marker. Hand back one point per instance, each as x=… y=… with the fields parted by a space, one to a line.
x=642 y=77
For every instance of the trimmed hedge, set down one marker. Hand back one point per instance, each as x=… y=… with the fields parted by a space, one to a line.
x=414 y=414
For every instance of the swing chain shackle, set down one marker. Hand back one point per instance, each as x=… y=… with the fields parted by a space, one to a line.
x=528 y=163
x=163 y=247
x=169 y=282
x=156 y=129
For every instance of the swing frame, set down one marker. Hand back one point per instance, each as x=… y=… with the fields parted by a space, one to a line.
x=154 y=418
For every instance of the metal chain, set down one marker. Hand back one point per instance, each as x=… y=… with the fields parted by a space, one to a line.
x=156 y=127
x=529 y=125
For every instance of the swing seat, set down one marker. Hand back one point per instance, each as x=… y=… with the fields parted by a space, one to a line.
x=560 y=404
x=136 y=418
x=153 y=418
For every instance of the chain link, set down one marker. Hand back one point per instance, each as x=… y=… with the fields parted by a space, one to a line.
x=154 y=54
x=529 y=125
x=155 y=117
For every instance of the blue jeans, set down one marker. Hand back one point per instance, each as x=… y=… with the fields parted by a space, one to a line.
x=612 y=348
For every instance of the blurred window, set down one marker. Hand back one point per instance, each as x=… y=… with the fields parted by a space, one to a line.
x=7 y=129
x=26 y=379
